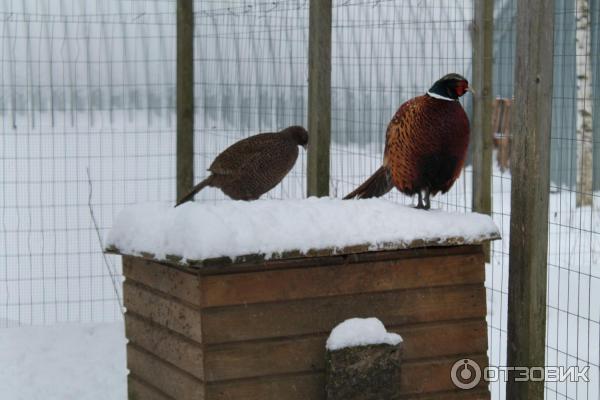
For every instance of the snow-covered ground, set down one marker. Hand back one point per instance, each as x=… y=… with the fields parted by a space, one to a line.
x=63 y=362
x=573 y=312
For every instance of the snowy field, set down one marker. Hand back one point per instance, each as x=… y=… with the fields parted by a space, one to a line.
x=573 y=312
x=63 y=362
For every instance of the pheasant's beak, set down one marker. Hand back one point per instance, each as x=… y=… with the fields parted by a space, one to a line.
x=470 y=89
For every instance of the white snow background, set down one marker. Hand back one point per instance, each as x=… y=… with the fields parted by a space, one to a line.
x=63 y=362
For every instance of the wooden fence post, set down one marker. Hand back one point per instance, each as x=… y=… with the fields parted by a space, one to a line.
x=319 y=97
x=483 y=42
x=185 y=97
x=530 y=166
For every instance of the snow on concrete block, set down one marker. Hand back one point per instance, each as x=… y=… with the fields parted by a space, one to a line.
x=274 y=228
x=363 y=361
x=360 y=332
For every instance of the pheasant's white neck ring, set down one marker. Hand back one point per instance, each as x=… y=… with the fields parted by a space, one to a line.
x=437 y=96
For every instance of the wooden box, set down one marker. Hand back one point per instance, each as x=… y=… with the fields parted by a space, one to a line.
x=255 y=329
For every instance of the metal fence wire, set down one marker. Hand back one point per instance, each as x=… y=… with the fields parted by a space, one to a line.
x=573 y=313
x=87 y=99
x=88 y=126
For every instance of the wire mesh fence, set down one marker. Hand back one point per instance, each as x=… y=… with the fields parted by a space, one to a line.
x=251 y=61
x=87 y=100
x=251 y=76
x=573 y=335
x=385 y=53
x=573 y=316
x=497 y=270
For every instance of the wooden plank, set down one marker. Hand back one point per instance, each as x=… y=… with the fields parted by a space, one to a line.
x=343 y=256
x=330 y=256
x=337 y=258
x=165 y=344
x=481 y=137
x=321 y=315
x=140 y=390
x=185 y=97
x=416 y=378
x=172 y=381
x=319 y=97
x=473 y=394
x=295 y=387
x=172 y=281
x=530 y=166
x=163 y=310
x=307 y=354
x=433 y=375
x=302 y=283
x=443 y=339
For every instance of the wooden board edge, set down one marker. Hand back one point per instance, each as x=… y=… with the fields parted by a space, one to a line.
x=139 y=389
x=287 y=259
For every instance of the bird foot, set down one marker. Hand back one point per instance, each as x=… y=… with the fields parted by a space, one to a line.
x=424 y=203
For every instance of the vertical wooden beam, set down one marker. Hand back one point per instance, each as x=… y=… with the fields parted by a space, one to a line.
x=483 y=43
x=185 y=96
x=530 y=167
x=319 y=97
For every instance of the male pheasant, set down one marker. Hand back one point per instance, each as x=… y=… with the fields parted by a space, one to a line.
x=425 y=145
x=251 y=167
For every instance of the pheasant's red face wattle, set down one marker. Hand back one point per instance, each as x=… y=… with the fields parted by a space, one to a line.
x=461 y=88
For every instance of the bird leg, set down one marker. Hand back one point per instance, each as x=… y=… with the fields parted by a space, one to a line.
x=420 y=205
x=424 y=203
x=427 y=201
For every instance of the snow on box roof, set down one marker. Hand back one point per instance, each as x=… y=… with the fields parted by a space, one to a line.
x=274 y=228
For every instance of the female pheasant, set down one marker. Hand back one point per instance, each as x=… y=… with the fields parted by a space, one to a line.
x=425 y=144
x=251 y=167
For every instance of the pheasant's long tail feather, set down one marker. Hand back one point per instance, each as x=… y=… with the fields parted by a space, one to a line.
x=196 y=189
x=377 y=185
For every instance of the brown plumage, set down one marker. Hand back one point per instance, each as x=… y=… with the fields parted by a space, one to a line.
x=251 y=167
x=425 y=146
